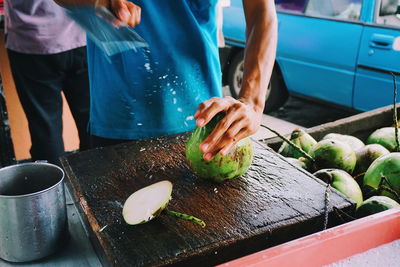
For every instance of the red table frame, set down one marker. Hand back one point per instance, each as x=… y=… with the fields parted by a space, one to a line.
x=330 y=245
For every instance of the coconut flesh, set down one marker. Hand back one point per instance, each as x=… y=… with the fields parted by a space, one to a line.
x=147 y=203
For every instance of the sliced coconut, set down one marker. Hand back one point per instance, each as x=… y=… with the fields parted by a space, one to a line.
x=146 y=203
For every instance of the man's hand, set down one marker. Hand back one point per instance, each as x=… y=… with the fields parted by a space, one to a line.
x=240 y=121
x=126 y=11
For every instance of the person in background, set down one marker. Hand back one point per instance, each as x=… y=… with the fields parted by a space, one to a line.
x=47 y=55
x=153 y=93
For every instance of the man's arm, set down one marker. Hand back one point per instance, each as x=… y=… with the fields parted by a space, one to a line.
x=125 y=11
x=243 y=116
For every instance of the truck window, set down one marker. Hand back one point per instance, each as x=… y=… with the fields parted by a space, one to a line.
x=290 y=5
x=337 y=9
x=389 y=13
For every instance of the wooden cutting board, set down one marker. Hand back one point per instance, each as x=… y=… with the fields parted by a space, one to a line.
x=273 y=203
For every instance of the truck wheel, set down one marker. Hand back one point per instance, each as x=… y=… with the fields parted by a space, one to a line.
x=276 y=94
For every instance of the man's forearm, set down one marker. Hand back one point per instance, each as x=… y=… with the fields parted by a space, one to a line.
x=262 y=35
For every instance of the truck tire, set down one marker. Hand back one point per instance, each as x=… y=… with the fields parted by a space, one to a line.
x=276 y=94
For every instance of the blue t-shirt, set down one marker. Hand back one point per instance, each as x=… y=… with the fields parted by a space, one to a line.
x=156 y=91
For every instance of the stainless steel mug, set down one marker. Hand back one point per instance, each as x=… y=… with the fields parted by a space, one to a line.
x=33 y=217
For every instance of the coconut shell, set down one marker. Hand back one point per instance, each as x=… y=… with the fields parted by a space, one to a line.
x=352 y=141
x=220 y=168
x=343 y=182
x=374 y=205
x=387 y=166
x=301 y=139
x=331 y=153
x=366 y=155
x=385 y=137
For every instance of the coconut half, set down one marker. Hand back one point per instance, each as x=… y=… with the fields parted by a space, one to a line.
x=147 y=203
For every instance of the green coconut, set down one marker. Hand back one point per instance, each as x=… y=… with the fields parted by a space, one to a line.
x=331 y=153
x=352 y=141
x=343 y=182
x=220 y=168
x=385 y=137
x=383 y=176
x=367 y=154
x=301 y=139
x=297 y=162
x=374 y=205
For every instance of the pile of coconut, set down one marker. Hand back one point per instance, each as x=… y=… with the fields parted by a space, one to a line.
x=369 y=174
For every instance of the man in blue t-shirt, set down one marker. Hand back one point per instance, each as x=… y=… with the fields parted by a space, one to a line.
x=175 y=83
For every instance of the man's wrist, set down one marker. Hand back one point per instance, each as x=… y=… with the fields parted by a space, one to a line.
x=256 y=103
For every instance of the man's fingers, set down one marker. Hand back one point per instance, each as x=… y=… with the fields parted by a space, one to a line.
x=231 y=137
x=204 y=106
x=135 y=14
x=120 y=10
x=231 y=145
x=208 y=113
x=127 y=12
x=220 y=130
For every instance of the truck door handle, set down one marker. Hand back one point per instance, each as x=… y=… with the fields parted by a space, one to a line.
x=381 y=41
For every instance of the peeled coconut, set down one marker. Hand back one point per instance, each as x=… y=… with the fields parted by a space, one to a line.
x=387 y=166
x=147 y=203
x=352 y=141
x=366 y=155
x=385 y=137
x=301 y=139
x=375 y=204
x=343 y=182
x=220 y=168
x=331 y=153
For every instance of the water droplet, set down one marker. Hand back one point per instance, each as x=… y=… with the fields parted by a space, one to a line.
x=179 y=109
x=139 y=124
x=189 y=118
x=174 y=100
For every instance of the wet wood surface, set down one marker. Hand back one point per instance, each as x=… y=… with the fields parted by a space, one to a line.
x=273 y=203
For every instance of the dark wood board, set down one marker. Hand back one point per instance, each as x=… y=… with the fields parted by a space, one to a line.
x=273 y=203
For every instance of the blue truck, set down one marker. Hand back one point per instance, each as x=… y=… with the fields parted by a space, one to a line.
x=343 y=52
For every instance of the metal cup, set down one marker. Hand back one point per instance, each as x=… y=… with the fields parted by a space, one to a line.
x=33 y=218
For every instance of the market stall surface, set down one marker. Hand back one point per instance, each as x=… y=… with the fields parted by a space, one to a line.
x=273 y=203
